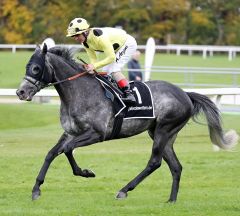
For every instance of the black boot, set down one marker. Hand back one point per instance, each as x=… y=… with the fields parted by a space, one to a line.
x=128 y=95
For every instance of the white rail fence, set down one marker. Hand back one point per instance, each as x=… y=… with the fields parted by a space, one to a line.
x=45 y=95
x=206 y=50
x=189 y=76
x=229 y=96
x=189 y=73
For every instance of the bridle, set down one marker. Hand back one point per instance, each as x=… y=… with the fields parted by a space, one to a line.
x=75 y=76
x=68 y=79
x=41 y=80
x=39 y=83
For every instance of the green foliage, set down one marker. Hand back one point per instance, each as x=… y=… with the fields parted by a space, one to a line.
x=217 y=30
x=232 y=30
x=16 y=22
x=202 y=28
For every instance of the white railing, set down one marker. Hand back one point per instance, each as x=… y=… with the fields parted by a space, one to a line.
x=14 y=47
x=229 y=96
x=188 y=74
x=42 y=93
x=202 y=70
x=205 y=49
x=178 y=48
x=218 y=95
x=45 y=95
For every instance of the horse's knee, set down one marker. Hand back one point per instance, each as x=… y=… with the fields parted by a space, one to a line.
x=154 y=165
x=50 y=156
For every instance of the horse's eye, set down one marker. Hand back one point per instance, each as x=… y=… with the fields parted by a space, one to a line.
x=35 y=69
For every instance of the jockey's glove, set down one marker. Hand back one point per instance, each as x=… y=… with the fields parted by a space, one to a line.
x=89 y=68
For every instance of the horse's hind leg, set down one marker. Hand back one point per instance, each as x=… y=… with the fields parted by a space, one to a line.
x=161 y=138
x=175 y=167
x=76 y=169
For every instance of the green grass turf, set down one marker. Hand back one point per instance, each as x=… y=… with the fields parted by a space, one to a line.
x=209 y=185
x=12 y=68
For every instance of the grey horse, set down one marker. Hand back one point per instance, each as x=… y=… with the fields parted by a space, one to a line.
x=87 y=116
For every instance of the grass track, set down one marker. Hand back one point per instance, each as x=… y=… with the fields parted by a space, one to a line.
x=209 y=186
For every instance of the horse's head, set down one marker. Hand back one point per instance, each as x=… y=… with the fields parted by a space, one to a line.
x=38 y=75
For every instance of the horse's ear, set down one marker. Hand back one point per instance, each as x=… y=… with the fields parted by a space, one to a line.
x=44 y=49
x=37 y=47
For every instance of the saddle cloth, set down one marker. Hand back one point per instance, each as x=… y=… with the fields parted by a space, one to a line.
x=142 y=109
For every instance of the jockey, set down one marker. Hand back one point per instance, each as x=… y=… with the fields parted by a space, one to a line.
x=116 y=44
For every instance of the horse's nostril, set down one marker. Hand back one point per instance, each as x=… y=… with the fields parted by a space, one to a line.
x=20 y=92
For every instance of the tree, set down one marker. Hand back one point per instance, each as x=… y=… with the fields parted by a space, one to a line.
x=165 y=15
x=16 y=22
x=131 y=16
x=201 y=28
x=219 y=14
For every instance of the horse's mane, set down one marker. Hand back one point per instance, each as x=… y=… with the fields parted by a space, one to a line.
x=67 y=55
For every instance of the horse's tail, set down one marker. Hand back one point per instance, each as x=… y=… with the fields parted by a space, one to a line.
x=202 y=103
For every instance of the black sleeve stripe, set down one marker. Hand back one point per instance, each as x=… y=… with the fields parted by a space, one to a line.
x=97 y=32
x=85 y=44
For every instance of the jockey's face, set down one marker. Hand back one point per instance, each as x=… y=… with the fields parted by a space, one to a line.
x=80 y=38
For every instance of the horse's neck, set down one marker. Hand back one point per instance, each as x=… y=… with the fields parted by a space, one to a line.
x=61 y=69
x=69 y=89
x=77 y=91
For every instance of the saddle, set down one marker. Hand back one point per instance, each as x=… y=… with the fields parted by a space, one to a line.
x=143 y=108
x=111 y=82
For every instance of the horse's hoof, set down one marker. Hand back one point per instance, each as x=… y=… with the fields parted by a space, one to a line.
x=88 y=173
x=171 y=201
x=121 y=195
x=36 y=195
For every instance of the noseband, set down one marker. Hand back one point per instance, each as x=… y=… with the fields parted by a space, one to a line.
x=38 y=84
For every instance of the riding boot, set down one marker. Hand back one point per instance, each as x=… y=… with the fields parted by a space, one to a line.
x=128 y=95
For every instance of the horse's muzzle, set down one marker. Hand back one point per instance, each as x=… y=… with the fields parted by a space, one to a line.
x=23 y=95
x=26 y=90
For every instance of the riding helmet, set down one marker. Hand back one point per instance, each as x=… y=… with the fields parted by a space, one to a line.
x=77 y=26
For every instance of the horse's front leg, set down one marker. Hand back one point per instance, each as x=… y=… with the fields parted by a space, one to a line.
x=52 y=154
x=87 y=138
x=77 y=171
